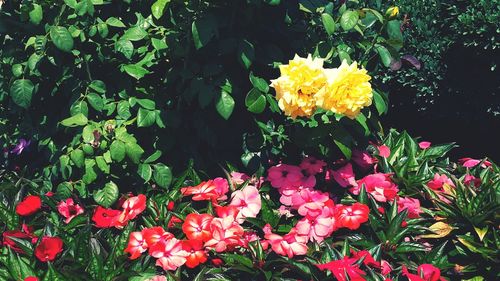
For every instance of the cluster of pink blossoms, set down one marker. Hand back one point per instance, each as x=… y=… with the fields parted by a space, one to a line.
x=321 y=216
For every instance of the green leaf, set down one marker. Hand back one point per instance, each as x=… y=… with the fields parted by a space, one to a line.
x=246 y=53
x=380 y=102
x=95 y=101
x=75 y=121
x=203 y=30
x=349 y=20
x=125 y=47
x=102 y=164
x=409 y=247
x=328 y=23
x=146 y=103
x=385 y=55
x=153 y=157
x=123 y=110
x=112 y=21
x=135 y=70
x=162 y=175
x=158 y=8
x=107 y=195
x=117 y=150
x=255 y=101
x=259 y=83
x=159 y=44
x=134 y=151
x=64 y=190
x=78 y=157
x=36 y=15
x=135 y=33
x=225 y=105
x=21 y=92
x=145 y=118
x=145 y=171
x=61 y=38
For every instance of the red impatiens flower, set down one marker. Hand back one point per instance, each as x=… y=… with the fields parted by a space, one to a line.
x=215 y=189
x=425 y=272
x=48 y=248
x=31 y=278
x=30 y=205
x=197 y=255
x=136 y=245
x=352 y=216
x=155 y=234
x=343 y=267
x=69 y=209
x=132 y=207
x=368 y=259
x=197 y=227
x=105 y=218
x=7 y=235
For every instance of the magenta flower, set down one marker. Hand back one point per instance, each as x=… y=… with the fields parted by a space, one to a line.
x=21 y=145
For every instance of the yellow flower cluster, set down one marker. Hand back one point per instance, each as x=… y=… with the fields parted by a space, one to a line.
x=305 y=85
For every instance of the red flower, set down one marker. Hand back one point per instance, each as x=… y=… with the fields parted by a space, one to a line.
x=379 y=185
x=352 y=216
x=197 y=254
x=30 y=205
x=49 y=248
x=340 y=268
x=105 y=218
x=215 y=189
x=368 y=259
x=197 y=227
x=69 y=209
x=16 y=234
x=217 y=262
x=31 y=278
x=132 y=207
x=173 y=221
x=425 y=272
x=136 y=245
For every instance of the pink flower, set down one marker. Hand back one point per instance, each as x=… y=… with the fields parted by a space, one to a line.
x=226 y=234
x=136 y=245
x=412 y=205
x=239 y=178
x=158 y=278
x=285 y=211
x=427 y=271
x=379 y=185
x=470 y=163
x=472 y=179
x=363 y=159
x=69 y=209
x=155 y=234
x=283 y=175
x=226 y=211
x=386 y=267
x=313 y=202
x=169 y=254
x=424 y=144
x=316 y=228
x=384 y=151
x=289 y=245
x=438 y=182
x=312 y=166
x=344 y=176
x=248 y=202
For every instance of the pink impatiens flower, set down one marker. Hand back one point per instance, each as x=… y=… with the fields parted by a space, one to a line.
x=471 y=163
x=169 y=254
x=379 y=185
x=363 y=159
x=248 y=202
x=284 y=175
x=384 y=151
x=290 y=244
x=226 y=234
x=136 y=245
x=344 y=176
x=316 y=228
x=424 y=144
x=68 y=209
x=412 y=205
x=439 y=181
x=472 y=179
x=312 y=166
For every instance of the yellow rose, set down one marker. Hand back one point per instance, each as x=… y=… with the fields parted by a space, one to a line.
x=392 y=12
x=347 y=90
x=300 y=80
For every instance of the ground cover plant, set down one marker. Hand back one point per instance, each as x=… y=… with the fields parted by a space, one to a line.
x=224 y=140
